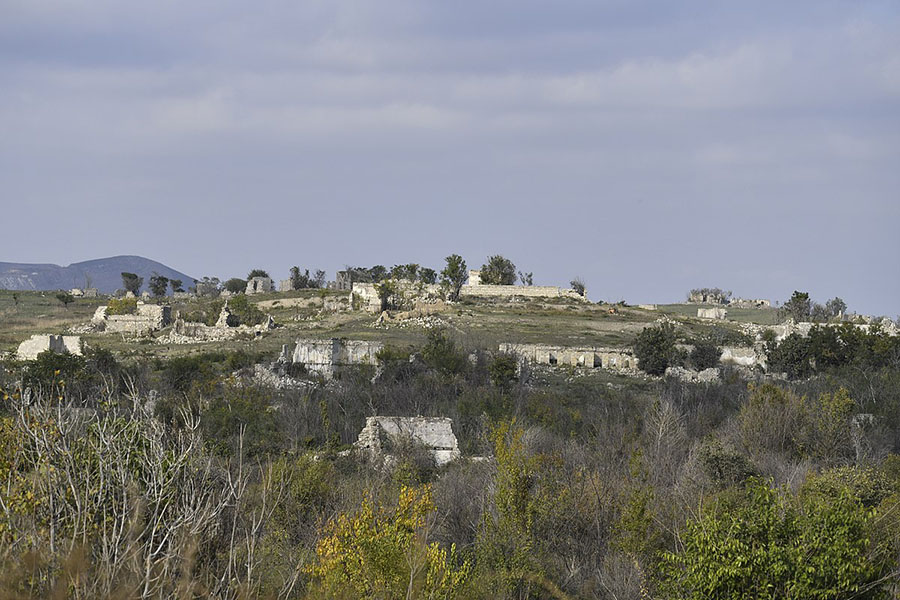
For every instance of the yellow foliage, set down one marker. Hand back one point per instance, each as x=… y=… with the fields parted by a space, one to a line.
x=382 y=552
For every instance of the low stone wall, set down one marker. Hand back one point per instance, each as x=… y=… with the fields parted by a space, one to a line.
x=435 y=433
x=527 y=291
x=326 y=357
x=412 y=292
x=61 y=344
x=618 y=359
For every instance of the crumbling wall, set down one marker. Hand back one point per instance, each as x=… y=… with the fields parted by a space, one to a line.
x=750 y=303
x=411 y=292
x=435 y=433
x=712 y=313
x=745 y=357
x=61 y=344
x=618 y=359
x=147 y=318
x=259 y=285
x=528 y=291
x=326 y=357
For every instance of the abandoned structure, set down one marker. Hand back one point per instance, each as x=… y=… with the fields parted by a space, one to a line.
x=409 y=294
x=328 y=357
x=207 y=288
x=285 y=285
x=381 y=434
x=84 y=293
x=259 y=285
x=712 y=313
x=61 y=344
x=476 y=288
x=147 y=318
x=708 y=296
x=749 y=303
x=618 y=359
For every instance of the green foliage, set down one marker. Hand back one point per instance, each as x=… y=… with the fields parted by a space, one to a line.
x=828 y=348
x=453 y=276
x=236 y=285
x=389 y=293
x=300 y=281
x=428 y=276
x=132 y=283
x=498 y=270
x=241 y=419
x=53 y=371
x=158 y=284
x=121 y=306
x=408 y=272
x=705 y=355
x=724 y=465
x=181 y=373
x=798 y=307
x=256 y=273
x=66 y=298
x=175 y=284
x=247 y=312
x=440 y=352
x=503 y=370
x=654 y=348
x=577 y=284
x=771 y=546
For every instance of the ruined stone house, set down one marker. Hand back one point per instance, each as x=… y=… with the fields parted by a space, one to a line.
x=146 y=319
x=382 y=433
x=61 y=344
x=259 y=285
x=327 y=357
x=617 y=359
x=712 y=313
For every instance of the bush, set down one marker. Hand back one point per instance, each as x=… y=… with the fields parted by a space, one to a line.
x=503 y=370
x=246 y=311
x=705 y=355
x=654 y=348
x=441 y=352
x=498 y=271
x=236 y=285
x=121 y=306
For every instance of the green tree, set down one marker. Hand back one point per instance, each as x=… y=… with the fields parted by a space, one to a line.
x=772 y=546
x=454 y=275
x=526 y=278
x=798 y=307
x=655 y=348
x=66 y=298
x=427 y=275
x=132 y=283
x=257 y=273
x=175 y=284
x=835 y=307
x=498 y=270
x=158 y=284
x=388 y=292
x=705 y=355
x=236 y=285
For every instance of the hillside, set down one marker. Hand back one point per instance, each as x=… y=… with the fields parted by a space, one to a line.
x=102 y=273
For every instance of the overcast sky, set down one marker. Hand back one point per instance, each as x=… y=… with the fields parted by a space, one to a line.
x=648 y=147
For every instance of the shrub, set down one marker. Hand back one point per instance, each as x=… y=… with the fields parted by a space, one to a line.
x=236 y=285
x=705 y=355
x=441 y=352
x=121 y=306
x=503 y=370
x=654 y=348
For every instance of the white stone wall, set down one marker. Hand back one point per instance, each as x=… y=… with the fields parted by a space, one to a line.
x=618 y=359
x=62 y=344
x=436 y=433
x=528 y=291
x=712 y=313
x=326 y=356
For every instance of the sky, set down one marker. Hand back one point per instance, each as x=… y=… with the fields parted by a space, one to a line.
x=648 y=147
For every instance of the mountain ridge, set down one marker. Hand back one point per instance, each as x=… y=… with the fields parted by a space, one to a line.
x=101 y=273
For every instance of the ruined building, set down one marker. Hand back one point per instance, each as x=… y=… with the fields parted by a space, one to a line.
x=328 y=357
x=381 y=434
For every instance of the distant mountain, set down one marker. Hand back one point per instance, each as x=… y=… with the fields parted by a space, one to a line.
x=105 y=274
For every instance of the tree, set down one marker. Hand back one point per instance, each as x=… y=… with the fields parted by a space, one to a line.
x=526 y=278
x=498 y=271
x=835 y=307
x=15 y=298
x=257 y=273
x=297 y=280
x=578 y=285
x=427 y=275
x=454 y=275
x=705 y=355
x=132 y=283
x=176 y=285
x=655 y=347
x=158 y=284
x=66 y=298
x=318 y=280
x=798 y=307
x=236 y=285
x=387 y=292
x=408 y=272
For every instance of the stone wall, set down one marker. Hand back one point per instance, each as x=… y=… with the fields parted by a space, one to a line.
x=147 y=318
x=528 y=291
x=618 y=359
x=285 y=285
x=259 y=285
x=745 y=357
x=750 y=303
x=435 y=433
x=62 y=344
x=326 y=357
x=411 y=291
x=712 y=313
